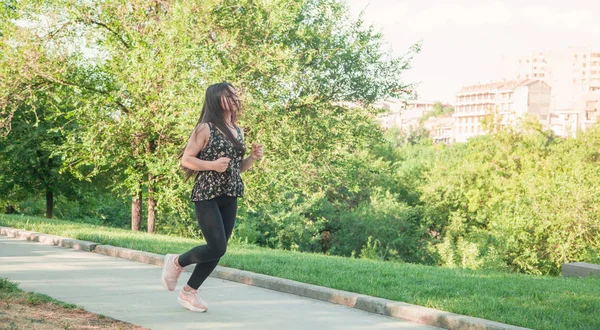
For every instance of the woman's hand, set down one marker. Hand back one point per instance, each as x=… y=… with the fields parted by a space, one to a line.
x=257 y=151
x=220 y=165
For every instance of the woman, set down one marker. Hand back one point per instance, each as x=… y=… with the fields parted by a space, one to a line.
x=215 y=151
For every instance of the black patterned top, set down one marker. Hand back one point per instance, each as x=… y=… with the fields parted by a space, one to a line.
x=211 y=184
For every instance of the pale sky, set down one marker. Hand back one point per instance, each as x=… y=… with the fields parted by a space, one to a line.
x=464 y=40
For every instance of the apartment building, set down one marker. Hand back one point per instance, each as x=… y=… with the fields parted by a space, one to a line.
x=404 y=115
x=391 y=117
x=585 y=114
x=441 y=129
x=510 y=99
x=571 y=73
x=472 y=104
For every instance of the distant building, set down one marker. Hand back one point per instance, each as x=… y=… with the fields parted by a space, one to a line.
x=571 y=73
x=510 y=99
x=441 y=129
x=404 y=115
x=583 y=116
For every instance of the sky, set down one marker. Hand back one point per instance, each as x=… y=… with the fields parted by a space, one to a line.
x=463 y=41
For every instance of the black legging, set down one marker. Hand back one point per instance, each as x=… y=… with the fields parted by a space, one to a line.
x=216 y=218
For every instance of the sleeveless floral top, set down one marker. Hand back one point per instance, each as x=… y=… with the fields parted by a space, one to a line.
x=211 y=184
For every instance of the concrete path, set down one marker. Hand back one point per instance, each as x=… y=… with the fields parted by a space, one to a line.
x=131 y=291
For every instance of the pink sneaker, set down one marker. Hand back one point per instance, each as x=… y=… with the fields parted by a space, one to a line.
x=192 y=301
x=170 y=272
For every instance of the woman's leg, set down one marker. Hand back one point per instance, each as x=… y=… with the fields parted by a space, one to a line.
x=216 y=219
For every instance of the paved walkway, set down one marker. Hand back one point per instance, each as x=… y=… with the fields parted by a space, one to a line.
x=131 y=291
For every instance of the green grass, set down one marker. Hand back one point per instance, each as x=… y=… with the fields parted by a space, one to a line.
x=538 y=302
x=10 y=291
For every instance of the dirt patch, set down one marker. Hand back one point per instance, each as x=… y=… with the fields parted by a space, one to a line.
x=22 y=315
x=26 y=310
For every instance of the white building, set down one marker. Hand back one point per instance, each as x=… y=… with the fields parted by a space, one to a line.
x=571 y=73
x=405 y=115
x=583 y=116
x=441 y=129
x=512 y=100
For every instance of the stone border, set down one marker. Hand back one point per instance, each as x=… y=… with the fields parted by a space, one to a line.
x=580 y=269
x=400 y=310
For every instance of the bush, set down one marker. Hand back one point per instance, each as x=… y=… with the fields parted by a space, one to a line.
x=381 y=227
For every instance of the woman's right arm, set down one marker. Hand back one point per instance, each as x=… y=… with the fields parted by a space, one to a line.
x=197 y=142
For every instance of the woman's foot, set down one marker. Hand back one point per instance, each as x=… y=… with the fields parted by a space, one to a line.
x=190 y=299
x=170 y=272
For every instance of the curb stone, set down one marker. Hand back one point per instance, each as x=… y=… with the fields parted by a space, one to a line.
x=48 y=239
x=580 y=269
x=400 y=310
x=123 y=253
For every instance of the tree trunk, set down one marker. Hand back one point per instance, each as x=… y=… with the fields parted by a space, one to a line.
x=151 y=206
x=136 y=211
x=136 y=199
x=49 y=203
x=151 y=148
x=10 y=209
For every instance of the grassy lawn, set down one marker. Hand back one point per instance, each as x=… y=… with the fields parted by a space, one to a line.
x=29 y=310
x=538 y=302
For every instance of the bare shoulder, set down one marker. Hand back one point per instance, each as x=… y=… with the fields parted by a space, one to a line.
x=198 y=139
x=202 y=130
x=201 y=133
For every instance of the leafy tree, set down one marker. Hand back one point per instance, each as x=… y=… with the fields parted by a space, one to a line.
x=28 y=154
x=141 y=94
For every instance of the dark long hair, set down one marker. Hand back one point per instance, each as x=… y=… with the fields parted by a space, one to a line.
x=214 y=112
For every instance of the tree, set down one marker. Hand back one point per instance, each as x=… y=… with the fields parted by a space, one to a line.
x=439 y=109
x=28 y=152
x=140 y=95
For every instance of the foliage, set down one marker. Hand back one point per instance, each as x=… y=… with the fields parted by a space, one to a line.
x=139 y=95
x=518 y=198
x=439 y=109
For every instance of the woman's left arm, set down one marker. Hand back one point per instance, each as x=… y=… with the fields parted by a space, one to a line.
x=255 y=154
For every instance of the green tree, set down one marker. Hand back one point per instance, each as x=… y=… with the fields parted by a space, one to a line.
x=439 y=109
x=295 y=62
x=30 y=165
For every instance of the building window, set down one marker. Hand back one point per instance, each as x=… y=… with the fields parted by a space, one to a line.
x=459 y=129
